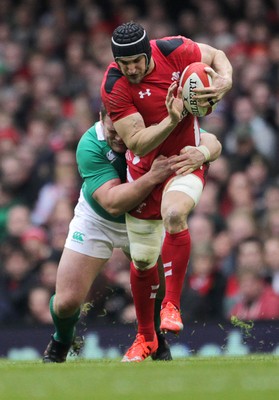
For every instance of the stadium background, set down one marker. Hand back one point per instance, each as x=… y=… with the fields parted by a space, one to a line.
x=52 y=58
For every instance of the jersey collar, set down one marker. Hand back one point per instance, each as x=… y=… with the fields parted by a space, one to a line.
x=100 y=131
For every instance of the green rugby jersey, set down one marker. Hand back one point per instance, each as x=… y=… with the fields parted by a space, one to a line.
x=98 y=164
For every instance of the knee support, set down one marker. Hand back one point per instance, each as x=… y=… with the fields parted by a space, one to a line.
x=189 y=184
x=145 y=238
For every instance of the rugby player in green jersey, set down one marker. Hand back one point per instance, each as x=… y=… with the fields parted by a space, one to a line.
x=98 y=225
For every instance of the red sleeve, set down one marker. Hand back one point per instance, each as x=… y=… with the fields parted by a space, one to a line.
x=192 y=49
x=189 y=52
x=117 y=100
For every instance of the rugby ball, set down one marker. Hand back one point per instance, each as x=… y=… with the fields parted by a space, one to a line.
x=194 y=76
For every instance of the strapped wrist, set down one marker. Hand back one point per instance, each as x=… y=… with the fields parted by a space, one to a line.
x=204 y=150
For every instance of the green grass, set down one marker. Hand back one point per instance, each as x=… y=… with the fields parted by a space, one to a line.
x=194 y=378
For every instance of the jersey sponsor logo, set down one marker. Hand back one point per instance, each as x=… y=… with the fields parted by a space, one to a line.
x=78 y=236
x=146 y=93
x=175 y=76
x=110 y=155
x=140 y=207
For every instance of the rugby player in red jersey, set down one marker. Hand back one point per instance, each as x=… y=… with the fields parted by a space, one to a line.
x=143 y=99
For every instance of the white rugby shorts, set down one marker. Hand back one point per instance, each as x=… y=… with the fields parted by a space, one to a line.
x=93 y=235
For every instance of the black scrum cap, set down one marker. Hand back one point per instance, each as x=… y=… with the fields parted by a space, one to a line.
x=130 y=39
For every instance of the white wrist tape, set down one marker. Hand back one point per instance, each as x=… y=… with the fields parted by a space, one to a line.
x=204 y=150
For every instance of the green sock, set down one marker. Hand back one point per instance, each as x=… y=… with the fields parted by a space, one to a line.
x=65 y=327
x=157 y=319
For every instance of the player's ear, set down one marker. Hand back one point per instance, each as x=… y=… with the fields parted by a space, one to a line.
x=102 y=113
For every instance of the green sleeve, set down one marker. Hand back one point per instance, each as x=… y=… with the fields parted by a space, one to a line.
x=95 y=168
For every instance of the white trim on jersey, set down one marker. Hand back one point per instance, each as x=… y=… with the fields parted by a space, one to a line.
x=99 y=130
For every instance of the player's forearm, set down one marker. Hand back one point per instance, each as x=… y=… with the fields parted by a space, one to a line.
x=218 y=61
x=213 y=145
x=147 y=139
x=222 y=66
x=193 y=157
x=123 y=198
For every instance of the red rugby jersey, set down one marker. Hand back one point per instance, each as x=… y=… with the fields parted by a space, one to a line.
x=121 y=98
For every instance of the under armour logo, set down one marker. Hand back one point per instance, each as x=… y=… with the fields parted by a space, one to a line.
x=142 y=94
x=175 y=76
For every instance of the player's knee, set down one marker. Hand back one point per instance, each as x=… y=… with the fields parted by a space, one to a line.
x=65 y=306
x=144 y=256
x=175 y=219
x=179 y=199
x=142 y=265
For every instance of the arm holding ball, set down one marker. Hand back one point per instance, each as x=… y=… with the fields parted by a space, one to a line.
x=220 y=71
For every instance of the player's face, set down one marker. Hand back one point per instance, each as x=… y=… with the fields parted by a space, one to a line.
x=134 y=68
x=112 y=138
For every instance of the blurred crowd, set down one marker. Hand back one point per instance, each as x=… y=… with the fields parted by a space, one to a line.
x=52 y=58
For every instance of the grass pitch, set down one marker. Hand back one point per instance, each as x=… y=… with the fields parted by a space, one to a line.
x=194 y=378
